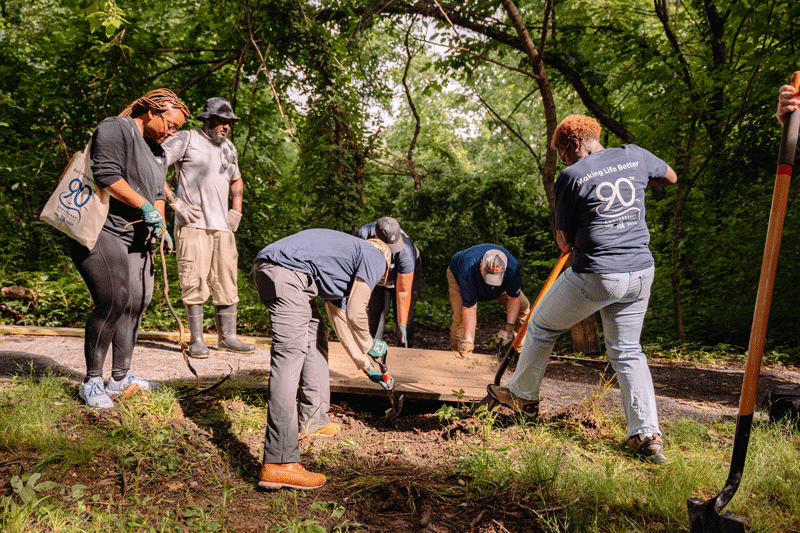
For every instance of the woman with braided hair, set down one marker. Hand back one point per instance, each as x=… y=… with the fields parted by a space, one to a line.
x=127 y=161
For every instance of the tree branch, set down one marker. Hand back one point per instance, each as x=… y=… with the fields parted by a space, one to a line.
x=417 y=121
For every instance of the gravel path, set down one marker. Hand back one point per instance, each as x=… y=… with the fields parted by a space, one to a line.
x=701 y=392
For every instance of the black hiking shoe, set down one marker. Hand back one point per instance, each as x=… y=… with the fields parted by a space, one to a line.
x=529 y=408
x=651 y=448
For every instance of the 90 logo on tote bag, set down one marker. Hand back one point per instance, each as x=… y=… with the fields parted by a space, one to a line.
x=77 y=207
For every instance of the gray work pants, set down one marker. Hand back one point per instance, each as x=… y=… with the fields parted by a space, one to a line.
x=299 y=358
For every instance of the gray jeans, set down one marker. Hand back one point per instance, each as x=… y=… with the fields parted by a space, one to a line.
x=299 y=358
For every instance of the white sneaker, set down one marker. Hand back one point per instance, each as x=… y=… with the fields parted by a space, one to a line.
x=116 y=387
x=96 y=398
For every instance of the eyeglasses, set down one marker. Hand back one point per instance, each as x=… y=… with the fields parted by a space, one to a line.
x=561 y=154
x=171 y=127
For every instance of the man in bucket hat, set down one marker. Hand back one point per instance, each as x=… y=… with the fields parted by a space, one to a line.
x=404 y=285
x=207 y=167
x=479 y=274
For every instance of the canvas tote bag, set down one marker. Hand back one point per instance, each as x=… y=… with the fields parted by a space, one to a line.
x=78 y=207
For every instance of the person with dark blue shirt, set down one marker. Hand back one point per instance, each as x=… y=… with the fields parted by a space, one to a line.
x=479 y=274
x=600 y=216
x=403 y=286
x=290 y=274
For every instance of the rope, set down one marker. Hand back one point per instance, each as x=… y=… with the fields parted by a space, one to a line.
x=181 y=341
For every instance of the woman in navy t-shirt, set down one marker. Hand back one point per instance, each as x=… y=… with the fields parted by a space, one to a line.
x=600 y=216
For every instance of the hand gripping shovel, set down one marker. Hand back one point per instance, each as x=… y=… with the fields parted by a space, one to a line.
x=705 y=517
x=515 y=346
x=397 y=403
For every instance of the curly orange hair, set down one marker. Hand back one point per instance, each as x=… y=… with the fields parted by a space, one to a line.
x=578 y=127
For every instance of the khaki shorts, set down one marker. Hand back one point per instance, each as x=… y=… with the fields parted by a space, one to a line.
x=207 y=264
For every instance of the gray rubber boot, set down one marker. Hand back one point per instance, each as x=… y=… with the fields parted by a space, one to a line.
x=194 y=316
x=226 y=329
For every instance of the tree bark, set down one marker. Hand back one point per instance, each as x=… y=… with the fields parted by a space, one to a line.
x=584 y=334
x=548 y=102
x=585 y=338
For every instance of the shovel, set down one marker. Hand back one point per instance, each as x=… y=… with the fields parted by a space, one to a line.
x=397 y=403
x=515 y=346
x=705 y=517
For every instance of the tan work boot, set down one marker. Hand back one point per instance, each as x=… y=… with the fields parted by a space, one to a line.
x=288 y=475
x=331 y=430
x=529 y=408
x=650 y=448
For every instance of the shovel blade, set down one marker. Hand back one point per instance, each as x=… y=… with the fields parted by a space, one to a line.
x=394 y=411
x=703 y=518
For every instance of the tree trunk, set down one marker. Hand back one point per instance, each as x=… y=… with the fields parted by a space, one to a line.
x=585 y=338
x=548 y=102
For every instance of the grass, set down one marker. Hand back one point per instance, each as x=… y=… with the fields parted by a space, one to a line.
x=158 y=462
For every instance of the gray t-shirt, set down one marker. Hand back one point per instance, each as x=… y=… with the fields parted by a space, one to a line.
x=120 y=152
x=205 y=171
x=600 y=199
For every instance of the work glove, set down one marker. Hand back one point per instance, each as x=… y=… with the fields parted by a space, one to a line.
x=403 y=335
x=234 y=217
x=377 y=377
x=168 y=244
x=151 y=216
x=378 y=350
x=464 y=348
x=503 y=337
x=453 y=344
x=190 y=213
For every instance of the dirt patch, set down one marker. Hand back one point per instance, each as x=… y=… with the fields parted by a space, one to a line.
x=388 y=477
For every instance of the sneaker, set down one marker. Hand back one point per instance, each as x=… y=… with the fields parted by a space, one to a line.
x=92 y=391
x=529 y=408
x=289 y=475
x=116 y=387
x=331 y=430
x=651 y=448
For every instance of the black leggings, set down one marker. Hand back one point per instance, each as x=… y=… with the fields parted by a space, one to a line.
x=120 y=279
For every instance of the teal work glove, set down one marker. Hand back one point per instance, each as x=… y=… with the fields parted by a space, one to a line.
x=377 y=377
x=403 y=335
x=151 y=215
x=378 y=350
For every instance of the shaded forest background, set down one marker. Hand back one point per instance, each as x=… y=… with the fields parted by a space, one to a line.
x=438 y=114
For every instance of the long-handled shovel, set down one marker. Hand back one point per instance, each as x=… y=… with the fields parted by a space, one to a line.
x=705 y=517
x=515 y=346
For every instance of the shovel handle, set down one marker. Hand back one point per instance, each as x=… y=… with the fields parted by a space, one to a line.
x=766 y=282
x=758 y=332
x=517 y=344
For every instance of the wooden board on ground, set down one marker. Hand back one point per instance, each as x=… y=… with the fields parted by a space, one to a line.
x=422 y=374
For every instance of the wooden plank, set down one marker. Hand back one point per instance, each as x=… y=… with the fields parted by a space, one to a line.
x=422 y=374
x=169 y=336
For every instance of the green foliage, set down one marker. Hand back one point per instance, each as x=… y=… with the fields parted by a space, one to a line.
x=326 y=132
x=105 y=14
